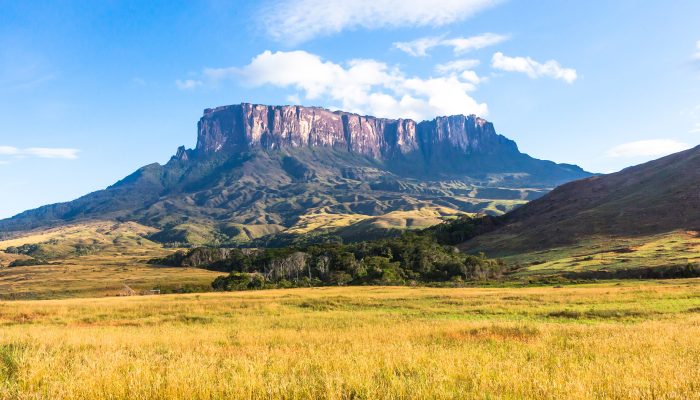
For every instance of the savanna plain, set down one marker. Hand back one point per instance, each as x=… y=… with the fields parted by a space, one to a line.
x=624 y=340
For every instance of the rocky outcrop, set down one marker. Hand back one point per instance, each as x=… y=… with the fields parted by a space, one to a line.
x=246 y=126
x=259 y=169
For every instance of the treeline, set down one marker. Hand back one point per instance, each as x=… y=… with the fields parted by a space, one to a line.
x=414 y=257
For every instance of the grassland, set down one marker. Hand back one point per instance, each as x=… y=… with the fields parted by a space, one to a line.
x=348 y=224
x=96 y=277
x=632 y=340
x=610 y=254
x=117 y=256
x=107 y=237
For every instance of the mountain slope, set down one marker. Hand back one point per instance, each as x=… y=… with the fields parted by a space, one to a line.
x=259 y=170
x=648 y=199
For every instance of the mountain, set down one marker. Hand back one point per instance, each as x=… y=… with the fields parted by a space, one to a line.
x=654 y=198
x=259 y=170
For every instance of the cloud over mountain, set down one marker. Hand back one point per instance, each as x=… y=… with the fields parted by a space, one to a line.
x=364 y=86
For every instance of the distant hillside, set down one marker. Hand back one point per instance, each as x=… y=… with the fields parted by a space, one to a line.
x=263 y=170
x=648 y=199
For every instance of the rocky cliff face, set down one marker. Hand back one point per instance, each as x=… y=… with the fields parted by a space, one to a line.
x=247 y=126
x=261 y=169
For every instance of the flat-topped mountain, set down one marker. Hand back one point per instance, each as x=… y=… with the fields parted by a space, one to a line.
x=258 y=170
x=445 y=146
x=245 y=126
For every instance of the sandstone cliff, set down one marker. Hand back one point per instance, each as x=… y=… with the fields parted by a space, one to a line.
x=257 y=170
x=248 y=126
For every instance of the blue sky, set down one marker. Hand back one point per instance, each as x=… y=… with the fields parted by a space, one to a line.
x=90 y=91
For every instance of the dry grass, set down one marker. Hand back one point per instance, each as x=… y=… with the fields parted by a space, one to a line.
x=97 y=276
x=626 y=341
x=673 y=248
x=101 y=232
x=121 y=258
x=402 y=219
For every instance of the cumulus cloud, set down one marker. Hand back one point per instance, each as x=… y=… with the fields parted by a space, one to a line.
x=363 y=85
x=532 y=68
x=647 y=148
x=293 y=22
x=40 y=152
x=187 y=84
x=459 y=45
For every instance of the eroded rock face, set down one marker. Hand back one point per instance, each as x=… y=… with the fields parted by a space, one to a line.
x=266 y=166
x=247 y=126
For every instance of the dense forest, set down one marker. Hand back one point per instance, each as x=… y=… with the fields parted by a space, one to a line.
x=414 y=257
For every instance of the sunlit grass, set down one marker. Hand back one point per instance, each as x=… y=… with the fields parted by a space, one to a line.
x=625 y=340
x=673 y=248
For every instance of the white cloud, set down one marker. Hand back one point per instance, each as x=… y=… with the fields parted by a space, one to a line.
x=40 y=152
x=293 y=22
x=187 y=84
x=696 y=128
x=364 y=86
x=460 y=45
x=471 y=76
x=696 y=56
x=456 y=66
x=8 y=151
x=532 y=68
x=647 y=148
x=462 y=69
x=46 y=152
x=418 y=47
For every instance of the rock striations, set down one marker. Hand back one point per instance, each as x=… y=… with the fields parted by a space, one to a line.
x=259 y=169
x=249 y=126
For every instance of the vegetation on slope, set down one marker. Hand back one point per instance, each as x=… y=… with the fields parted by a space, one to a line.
x=672 y=254
x=653 y=198
x=117 y=256
x=42 y=246
x=422 y=256
x=428 y=256
x=234 y=198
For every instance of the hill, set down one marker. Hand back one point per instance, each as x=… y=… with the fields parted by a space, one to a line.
x=262 y=170
x=645 y=215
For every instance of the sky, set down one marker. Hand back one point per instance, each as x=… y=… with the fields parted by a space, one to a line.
x=91 y=91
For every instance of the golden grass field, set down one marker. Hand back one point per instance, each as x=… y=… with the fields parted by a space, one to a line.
x=120 y=259
x=609 y=253
x=630 y=340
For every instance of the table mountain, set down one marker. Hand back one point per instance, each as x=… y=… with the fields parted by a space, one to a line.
x=258 y=170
